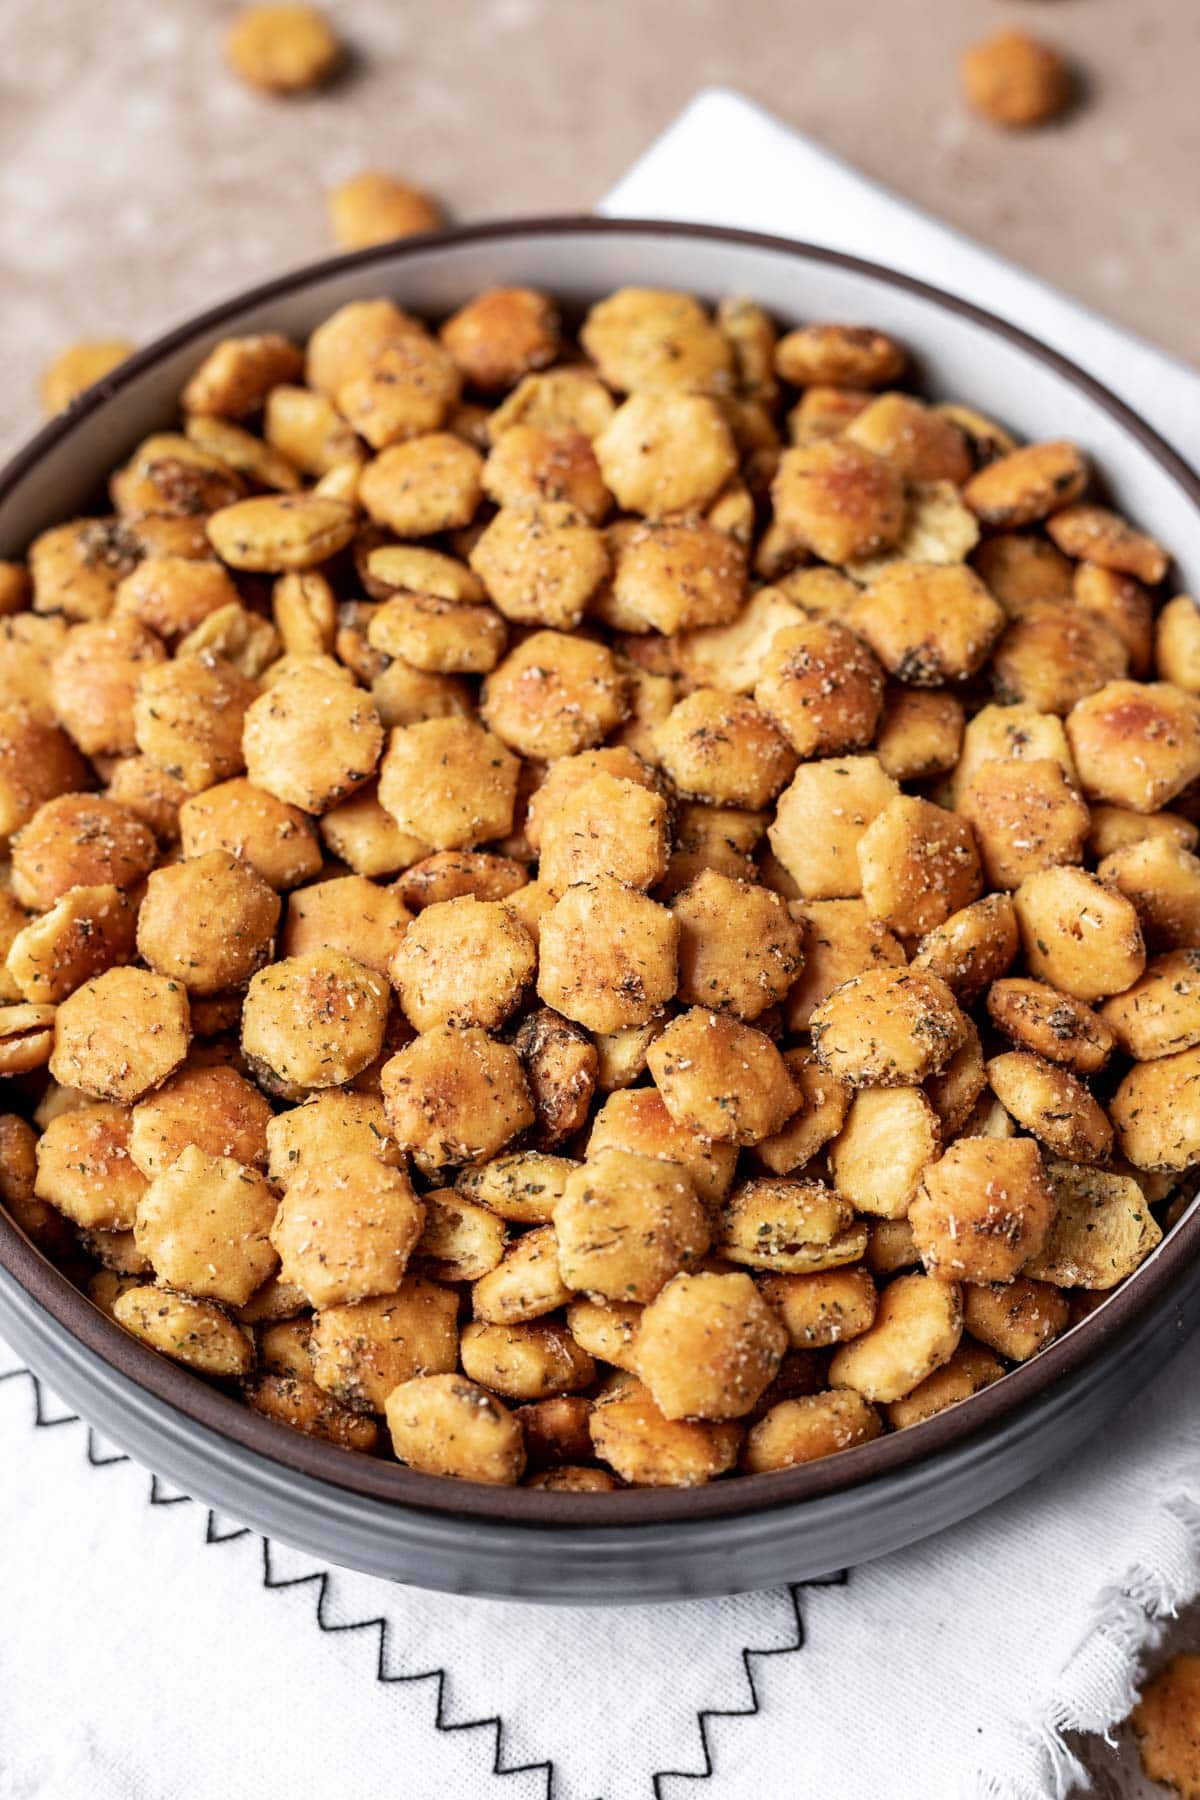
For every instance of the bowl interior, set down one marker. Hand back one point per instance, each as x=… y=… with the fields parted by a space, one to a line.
x=961 y=353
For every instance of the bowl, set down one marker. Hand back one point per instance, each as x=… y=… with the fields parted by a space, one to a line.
x=639 y=1544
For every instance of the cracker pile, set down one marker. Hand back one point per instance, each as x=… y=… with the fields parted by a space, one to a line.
x=623 y=907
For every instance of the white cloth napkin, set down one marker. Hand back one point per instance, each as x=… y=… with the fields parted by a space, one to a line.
x=727 y=162
x=150 y=1652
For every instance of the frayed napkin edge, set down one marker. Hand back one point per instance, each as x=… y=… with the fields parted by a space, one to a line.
x=1100 y=1682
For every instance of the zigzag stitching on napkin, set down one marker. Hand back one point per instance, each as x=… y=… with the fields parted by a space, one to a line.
x=158 y=1495
x=212 y=1535
x=387 y=1676
x=102 y=1459
x=706 y=1717
x=41 y=1419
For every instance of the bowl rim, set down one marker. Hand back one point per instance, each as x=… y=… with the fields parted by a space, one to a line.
x=217 y=1412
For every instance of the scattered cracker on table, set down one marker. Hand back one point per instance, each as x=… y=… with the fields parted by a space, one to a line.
x=1017 y=80
x=284 y=49
x=1166 y=1724
x=77 y=367
x=373 y=207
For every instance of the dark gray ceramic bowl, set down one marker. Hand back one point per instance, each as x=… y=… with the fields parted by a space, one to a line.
x=640 y=1544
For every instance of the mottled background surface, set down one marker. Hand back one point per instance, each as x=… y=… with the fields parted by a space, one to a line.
x=139 y=180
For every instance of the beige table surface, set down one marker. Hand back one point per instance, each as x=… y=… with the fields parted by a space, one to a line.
x=139 y=181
